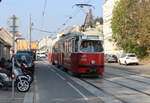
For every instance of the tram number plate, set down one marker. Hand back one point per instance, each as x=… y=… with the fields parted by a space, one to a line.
x=92 y=70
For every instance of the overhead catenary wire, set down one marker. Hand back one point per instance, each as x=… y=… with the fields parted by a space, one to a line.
x=72 y=17
x=44 y=8
x=43 y=14
x=68 y=20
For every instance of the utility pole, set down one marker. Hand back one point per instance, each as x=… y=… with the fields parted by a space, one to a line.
x=13 y=26
x=30 y=32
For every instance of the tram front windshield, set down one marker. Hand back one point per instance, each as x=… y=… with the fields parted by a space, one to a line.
x=91 y=46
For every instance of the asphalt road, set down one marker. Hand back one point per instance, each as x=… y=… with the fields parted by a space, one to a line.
x=52 y=86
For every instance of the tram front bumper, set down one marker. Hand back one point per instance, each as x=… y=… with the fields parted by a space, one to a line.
x=90 y=69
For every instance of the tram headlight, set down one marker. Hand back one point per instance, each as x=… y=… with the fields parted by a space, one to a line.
x=84 y=58
x=93 y=62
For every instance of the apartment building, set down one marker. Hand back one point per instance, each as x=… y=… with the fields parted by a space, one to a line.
x=109 y=45
x=5 y=43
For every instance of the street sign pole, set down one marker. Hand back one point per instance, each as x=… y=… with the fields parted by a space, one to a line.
x=13 y=81
x=14 y=18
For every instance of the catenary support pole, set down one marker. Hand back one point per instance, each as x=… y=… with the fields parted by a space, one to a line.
x=30 y=31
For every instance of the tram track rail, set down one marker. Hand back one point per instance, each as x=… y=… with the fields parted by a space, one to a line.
x=108 y=74
x=129 y=72
x=111 y=94
x=148 y=94
x=105 y=92
x=101 y=89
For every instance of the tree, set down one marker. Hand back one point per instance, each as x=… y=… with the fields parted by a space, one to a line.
x=99 y=20
x=131 y=26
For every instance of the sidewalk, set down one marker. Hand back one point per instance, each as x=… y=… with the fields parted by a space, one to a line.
x=6 y=96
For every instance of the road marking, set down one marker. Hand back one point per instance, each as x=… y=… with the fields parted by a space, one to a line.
x=37 y=97
x=52 y=70
x=11 y=98
x=60 y=76
x=35 y=79
x=54 y=67
x=85 y=98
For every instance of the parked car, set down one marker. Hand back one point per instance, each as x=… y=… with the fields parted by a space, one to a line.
x=110 y=58
x=41 y=54
x=29 y=52
x=129 y=58
x=24 y=59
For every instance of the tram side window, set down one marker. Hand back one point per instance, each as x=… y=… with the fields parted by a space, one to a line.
x=70 y=46
x=76 y=45
x=67 y=46
x=63 y=46
x=54 y=50
x=73 y=45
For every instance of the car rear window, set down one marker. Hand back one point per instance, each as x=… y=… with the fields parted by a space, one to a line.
x=114 y=56
x=131 y=56
x=27 y=52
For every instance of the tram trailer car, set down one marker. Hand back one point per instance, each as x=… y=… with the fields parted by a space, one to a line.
x=51 y=54
x=79 y=53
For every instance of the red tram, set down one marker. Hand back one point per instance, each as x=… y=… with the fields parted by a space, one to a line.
x=50 y=57
x=79 y=53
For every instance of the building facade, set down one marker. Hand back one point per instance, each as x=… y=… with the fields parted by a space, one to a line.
x=21 y=44
x=44 y=43
x=109 y=45
x=6 y=42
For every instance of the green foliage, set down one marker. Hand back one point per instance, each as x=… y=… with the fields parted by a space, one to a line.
x=99 y=20
x=131 y=26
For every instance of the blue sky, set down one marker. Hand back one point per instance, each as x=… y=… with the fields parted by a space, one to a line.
x=56 y=13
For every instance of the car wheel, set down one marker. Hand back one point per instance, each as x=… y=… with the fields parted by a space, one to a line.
x=137 y=63
x=126 y=63
x=120 y=63
x=23 y=85
x=53 y=63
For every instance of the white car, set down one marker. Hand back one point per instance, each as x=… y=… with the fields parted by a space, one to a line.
x=128 y=59
x=41 y=55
